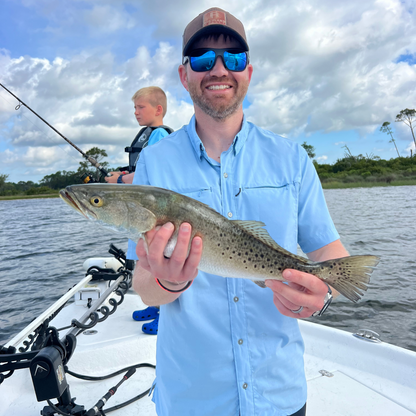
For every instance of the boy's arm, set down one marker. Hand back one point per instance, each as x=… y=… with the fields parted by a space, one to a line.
x=115 y=175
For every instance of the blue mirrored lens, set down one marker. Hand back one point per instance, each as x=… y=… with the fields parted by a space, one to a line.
x=206 y=61
x=235 y=61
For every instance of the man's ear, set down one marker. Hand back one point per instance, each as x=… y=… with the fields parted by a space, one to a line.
x=183 y=76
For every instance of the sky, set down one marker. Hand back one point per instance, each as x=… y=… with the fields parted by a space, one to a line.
x=326 y=72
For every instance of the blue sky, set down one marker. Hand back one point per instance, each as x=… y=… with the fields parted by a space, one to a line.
x=328 y=73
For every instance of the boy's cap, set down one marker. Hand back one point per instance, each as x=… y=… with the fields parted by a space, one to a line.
x=214 y=20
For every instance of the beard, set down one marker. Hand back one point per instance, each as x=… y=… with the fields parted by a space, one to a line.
x=217 y=107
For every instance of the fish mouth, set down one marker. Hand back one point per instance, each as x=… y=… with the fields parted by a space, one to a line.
x=77 y=205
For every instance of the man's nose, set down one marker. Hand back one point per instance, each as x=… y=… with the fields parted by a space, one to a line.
x=219 y=69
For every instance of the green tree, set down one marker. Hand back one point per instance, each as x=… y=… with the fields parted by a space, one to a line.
x=98 y=155
x=3 y=179
x=310 y=150
x=385 y=128
x=408 y=117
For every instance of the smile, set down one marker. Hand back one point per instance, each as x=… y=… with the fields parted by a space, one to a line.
x=219 y=87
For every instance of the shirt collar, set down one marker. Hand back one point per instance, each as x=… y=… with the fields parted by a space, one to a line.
x=198 y=146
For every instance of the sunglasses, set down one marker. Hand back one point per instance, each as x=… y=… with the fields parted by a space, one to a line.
x=202 y=60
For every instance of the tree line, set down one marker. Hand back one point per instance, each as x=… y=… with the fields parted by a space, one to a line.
x=52 y=183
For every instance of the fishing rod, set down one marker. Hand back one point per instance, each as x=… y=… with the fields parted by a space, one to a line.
x=90 y=159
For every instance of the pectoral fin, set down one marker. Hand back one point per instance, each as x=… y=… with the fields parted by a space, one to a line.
x=260 y=283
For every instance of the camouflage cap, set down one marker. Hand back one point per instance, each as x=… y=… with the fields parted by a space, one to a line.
x=214 y=20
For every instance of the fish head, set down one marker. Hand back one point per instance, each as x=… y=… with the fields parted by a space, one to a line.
x=114 y=206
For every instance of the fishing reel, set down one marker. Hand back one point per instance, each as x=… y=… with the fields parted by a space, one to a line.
x=88 y=177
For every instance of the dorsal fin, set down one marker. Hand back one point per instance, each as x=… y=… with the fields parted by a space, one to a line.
x=257 y=230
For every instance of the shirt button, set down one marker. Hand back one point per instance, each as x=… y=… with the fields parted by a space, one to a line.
x=230 y=214
x=236 y=299
x=225 y=175
x=245 y=385
x=240 y=341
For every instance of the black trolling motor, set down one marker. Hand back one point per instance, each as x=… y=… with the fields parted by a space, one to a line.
x=87 y=177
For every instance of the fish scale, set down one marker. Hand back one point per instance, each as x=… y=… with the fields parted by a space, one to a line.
x=231 y=248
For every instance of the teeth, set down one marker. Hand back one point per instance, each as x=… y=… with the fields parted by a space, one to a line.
x=219 y=87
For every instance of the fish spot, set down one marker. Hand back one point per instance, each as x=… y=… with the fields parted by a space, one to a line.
x=257 y=255
x=219 y=244
x=271 y=271
x=251 y=250
x=239 y=254
x=261 y=255
x=262 y=267
x=255 y=266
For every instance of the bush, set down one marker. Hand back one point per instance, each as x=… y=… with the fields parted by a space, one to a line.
x=39 y=190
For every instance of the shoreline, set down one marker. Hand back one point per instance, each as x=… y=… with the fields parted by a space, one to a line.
x=327 y=185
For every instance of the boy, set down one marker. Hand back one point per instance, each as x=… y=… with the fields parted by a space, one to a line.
x=150 y=106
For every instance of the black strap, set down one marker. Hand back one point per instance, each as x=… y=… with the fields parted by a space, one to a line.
x=139 y=143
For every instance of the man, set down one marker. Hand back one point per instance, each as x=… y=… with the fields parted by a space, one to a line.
x=227 y=346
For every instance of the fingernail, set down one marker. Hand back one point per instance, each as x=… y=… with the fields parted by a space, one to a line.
x=168 y=226
x=287 y=274
x=186 y=228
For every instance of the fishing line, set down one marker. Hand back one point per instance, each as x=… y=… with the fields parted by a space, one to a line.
x=88 y=158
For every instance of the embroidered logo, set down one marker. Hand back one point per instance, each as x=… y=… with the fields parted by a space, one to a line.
x=214 y=18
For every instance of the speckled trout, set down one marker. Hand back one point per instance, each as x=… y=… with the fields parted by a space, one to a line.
x=231 y=248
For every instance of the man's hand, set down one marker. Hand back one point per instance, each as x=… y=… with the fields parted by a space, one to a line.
x=113 y=178
x=180 y=268
x=303 y=289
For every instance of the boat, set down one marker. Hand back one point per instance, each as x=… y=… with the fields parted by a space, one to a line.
x=60 y=362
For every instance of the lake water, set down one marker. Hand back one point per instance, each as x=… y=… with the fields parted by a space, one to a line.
x=43 y=244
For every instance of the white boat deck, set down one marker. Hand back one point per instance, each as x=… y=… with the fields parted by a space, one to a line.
x=372 y=379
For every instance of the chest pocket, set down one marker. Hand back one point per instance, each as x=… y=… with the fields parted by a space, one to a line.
x=276 y=206
x=204 y=195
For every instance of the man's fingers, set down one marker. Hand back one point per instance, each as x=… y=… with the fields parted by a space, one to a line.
x=191 y=266
x=158 y=243
x=308 y=281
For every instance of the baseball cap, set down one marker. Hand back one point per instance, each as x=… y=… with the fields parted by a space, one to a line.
x=214 y=20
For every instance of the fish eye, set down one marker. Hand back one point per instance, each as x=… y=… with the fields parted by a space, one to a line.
x=96 y=201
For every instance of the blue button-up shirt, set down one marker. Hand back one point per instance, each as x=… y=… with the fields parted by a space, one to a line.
x=223 y=347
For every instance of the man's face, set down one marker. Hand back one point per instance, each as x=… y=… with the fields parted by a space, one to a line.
x=145 y=113
x=219 y=92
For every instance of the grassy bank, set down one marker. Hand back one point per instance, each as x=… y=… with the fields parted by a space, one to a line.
x=363 y=184
x=23 y=196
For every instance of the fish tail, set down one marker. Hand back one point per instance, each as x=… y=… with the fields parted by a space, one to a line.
x=348 y=275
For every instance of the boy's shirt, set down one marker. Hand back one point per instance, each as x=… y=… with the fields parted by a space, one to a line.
x=157 y=135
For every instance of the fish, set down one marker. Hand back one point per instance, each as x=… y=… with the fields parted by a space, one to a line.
x=231 y=248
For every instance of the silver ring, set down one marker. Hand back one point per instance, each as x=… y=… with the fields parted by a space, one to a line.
x=297 y=310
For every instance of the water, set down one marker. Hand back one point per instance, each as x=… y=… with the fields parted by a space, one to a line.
x=43 y=245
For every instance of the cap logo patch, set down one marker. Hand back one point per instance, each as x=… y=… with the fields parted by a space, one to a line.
x=214 y=18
